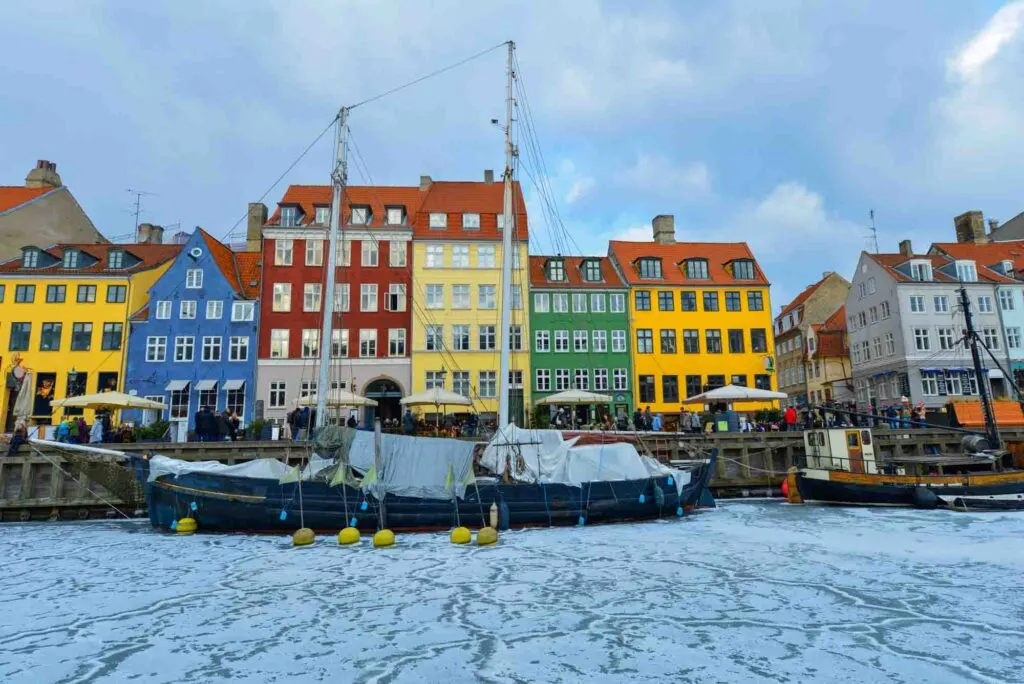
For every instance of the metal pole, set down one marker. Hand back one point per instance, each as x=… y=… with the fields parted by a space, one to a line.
x=382 y=514
x=504 y=335
x=992 y=432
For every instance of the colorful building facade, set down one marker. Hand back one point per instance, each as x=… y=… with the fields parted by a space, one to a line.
x=456 y=288
x=193 y=344
x=700 y=317
x=63 y=316
x=580 y=330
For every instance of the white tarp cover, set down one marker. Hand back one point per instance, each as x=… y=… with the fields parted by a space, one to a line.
x=260 y=468
x=416 y=466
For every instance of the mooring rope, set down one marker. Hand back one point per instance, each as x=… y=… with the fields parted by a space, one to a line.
x=79 y=481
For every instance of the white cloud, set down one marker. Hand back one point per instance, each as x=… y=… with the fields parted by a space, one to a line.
x=580 y=188
x=1000 y=30
x=633 y=233
x=659 y=175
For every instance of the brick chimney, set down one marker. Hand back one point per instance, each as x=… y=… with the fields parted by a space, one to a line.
x=149 y=234
x=664 y=229
x=425 y=183
x=993 y=225
x=970 y=227
x=43 y=175
x=906 y=249
x=254 y=226
x=488 y=176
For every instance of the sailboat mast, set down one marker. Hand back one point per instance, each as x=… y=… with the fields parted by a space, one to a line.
x=979 y=372
x=339 y=178
x=504 y=331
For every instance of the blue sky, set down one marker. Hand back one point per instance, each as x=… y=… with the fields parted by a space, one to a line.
x=780 y=123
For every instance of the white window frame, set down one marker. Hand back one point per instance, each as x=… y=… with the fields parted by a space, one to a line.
x=237 y=344
x=597 y=302
x=213 y=349
x=487 y=297
x=438 y=220
x=368 y=297
x=367 y=343
x=187 y=309
x=243 y=311
x=434 y=295
x=282 y=297
x=541 y=302
x=600 y=341
x=185 y=343
x=617 y=302
x=163 y=309
x=396 y=336
x=156 y=349
x=460 y=256
x=434 y=256
x=542 y=341
x=280 y=341
x=397 y=257
x=283 y=252
x=214 y=309
x=486 y=256
x=194 y=279
x=312 y=297
x=461 y=296
x=369 y=254
x=314 y=252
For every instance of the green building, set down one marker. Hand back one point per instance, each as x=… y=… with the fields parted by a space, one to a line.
x=580 y=332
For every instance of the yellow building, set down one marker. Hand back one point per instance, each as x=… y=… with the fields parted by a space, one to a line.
x=456 y=295
x=700 y=317
x=63 y=318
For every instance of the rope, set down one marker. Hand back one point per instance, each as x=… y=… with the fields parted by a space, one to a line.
x=78 y=480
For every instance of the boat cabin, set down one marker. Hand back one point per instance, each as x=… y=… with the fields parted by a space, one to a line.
x=851 y=449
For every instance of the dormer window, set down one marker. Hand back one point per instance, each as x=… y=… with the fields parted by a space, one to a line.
x=471 y=221
x=360 y=216
x=115 y=258
x=649 y=268
x=921 y=270
x=289 y=216
x=323 y=216
x=966 y=271
x=438 y=220
x=696 y=269
x=30 y=258
x=71 y=259
x=1008 y=268
x=501 y=221
x=396 y=216
x=556 y=270
x=743 y=269
x=592 y=271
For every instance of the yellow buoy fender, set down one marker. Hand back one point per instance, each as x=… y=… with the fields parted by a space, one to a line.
x=349 y=535
x=186 y=526
x=487 y=536
x=461 y=535
x=384 y=538
x=303 y=537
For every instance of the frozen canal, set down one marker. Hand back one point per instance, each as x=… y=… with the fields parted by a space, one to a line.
x=751 y=592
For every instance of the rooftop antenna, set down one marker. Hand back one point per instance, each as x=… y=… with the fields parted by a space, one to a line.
x=872 y=231
x=139 y=194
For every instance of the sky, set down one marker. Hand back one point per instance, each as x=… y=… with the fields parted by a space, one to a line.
x=779 y=123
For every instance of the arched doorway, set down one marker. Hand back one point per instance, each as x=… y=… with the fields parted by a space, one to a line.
x=386 y=393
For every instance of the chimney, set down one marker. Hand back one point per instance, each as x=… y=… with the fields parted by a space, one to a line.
x=970 y=227
x=254 y=226
x=906 y=249
x=43 y=175
x=149 y=234
x=993 y=225
x=425 y=183
x=488 y=176
x=664 y=229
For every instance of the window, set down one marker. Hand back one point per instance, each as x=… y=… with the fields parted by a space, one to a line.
x=991 y=338
x=758 y=340
x=211 y=348
x=184 y=349
x=86 y=294
x=885 y=310
x=618 y=303
x=187 y=309
x=194 y=279
x=649 y=268
x=438 y=220
x=396 y=342
x=487 y=297
x=561 y=340
x=764 y=381
x=434 y=379
x=561 y=379
x=597 y=302
x=49 y=340
x=460 y=338
x=600 y=379
x=966 y=271
x=396 y=297
x=515 y=336
x=282 y=252
x=743 y=269
x=945 y=341
x=369 y=255
x=343 y=252
x=341 y=297
x=755 y=301
x=579 y=340
x=282 y=297
x=20 y=333
x=666 y=301
x=235 y=401
x=163 y=309
x=339 y=343
x=917 y=304
x=488 y=384
x=688 y=300
x=929 y=383
x=396 y=216
x=156 y=349
x=670 y=389
x=921 y=270
x=579 y=302
x=556 y=270
x=435 y=296
x=360 y=216
x=435 y=256
x=644 y=341
x=691 y=342
x=716 y=381
x=542 y=340
x=696 y=269
x=865 y=352
x=620 y=380
x=278 y=389
x=873 y=314
x=736 y=342
x=561 y=302
x=434 y=337
x=368 y=343
x=693 y=385
x=668 y=341
x=55 y=294
x=618 y=341
x=543 y=380
x=242 y=311
x=600 y=341
x=310 y=343
x=71 y=259
x=941 y=303
x=1013 y=338
x=646 y=385
x=30 y=258
x=112 y=334
x=541 y=302
x=279 y=343
x=485 y=257
x=314 y=252
x=890 y=344
x=307 y=388
x=984 y=304
x=460 y=383
x=368 y=297
x=179 y=403
x=322 y=216
x=922 y=339
x=81 y=336
x=397 y=257
x=592 y=271
x=460 y=256
x=713 y=341
x=642 y=300
x=1006 y=300
x=732 y=301
x=312 y=293
x=711 y=301
x=487 y=337
x=238 y=348
x=876 y=348
x=517 y=296
x=214 y=309
x=500 y=218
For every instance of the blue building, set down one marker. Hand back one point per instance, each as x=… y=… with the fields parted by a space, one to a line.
x=194 y=344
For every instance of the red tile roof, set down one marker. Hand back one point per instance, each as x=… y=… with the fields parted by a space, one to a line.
x=377 y=197
x=802 y=297
x=890 y=261
x=719 y=256
x=574 y=273
x=837 y=321
x=249 y=273
x=150 y=256
x=15 y=196
x=831 y=334
x=989 y=254
x=240 y=268
x=458 y=197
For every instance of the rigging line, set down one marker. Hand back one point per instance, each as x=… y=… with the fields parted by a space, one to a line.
x=79 y=480
x=430 y=75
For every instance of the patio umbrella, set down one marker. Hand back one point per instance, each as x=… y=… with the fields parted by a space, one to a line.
x=436 y=398
x=733 y=393
x=576 y=397
x=338 y=397
x=118 y=400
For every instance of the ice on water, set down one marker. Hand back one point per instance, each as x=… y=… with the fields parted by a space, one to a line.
x=750 y=592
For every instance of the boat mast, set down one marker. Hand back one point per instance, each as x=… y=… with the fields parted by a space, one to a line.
x=339 y=178
x=506 y=257
x=992 y=432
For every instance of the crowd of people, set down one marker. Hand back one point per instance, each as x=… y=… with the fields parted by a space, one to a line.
x=213 y=426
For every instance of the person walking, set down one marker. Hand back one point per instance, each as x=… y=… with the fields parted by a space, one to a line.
x=234 y=423
x=695 y=425
x=408 y=423
x=96 y=431
x=656 y=424
x=789 y=418
x=221 y=420
x=648 y=419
